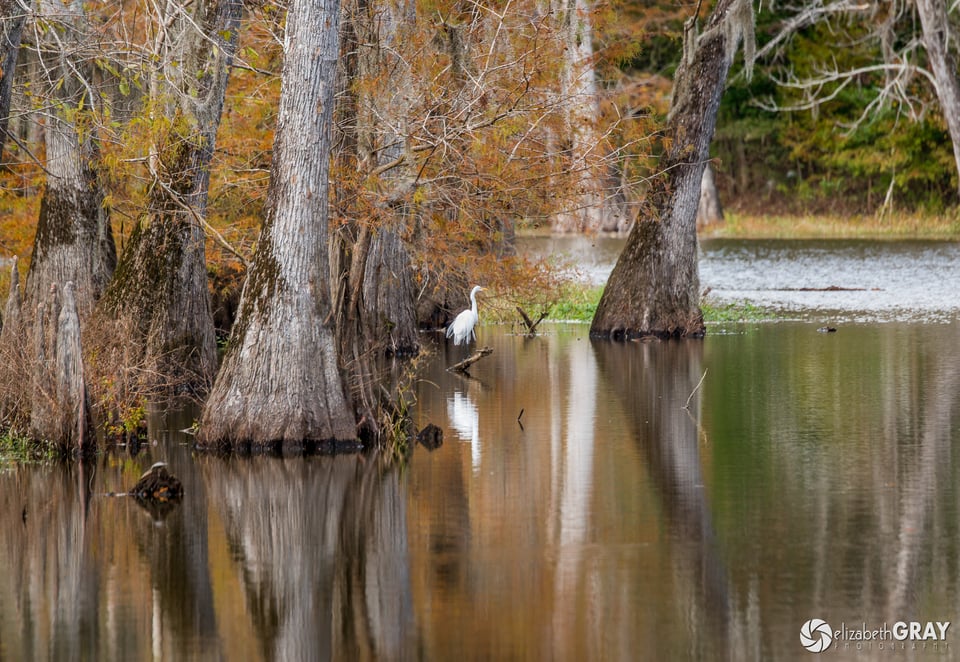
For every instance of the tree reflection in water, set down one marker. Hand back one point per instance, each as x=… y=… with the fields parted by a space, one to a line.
x=654 y=382
x=813 y=476
x=320 y=546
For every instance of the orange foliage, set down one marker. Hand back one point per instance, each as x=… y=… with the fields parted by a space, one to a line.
x=483 y=127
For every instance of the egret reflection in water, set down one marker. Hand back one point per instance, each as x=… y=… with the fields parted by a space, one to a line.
x=465 y=419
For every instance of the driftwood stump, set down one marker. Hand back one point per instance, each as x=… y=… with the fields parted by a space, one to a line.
x=158 y=484
x=530 y=324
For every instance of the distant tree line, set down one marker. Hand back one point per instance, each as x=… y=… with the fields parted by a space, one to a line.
x=853 y=107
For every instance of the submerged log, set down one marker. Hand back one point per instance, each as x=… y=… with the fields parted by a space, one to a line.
x=470 y=360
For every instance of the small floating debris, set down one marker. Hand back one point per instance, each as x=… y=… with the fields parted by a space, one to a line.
x=827 y=329
x=832 y=288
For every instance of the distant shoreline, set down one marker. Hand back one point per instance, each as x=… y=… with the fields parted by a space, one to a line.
x=739 y=225
x=890 y=226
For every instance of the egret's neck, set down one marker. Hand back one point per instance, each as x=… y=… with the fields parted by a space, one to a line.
x=473 y=302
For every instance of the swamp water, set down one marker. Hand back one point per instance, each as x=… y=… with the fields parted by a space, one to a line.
x=664 y=501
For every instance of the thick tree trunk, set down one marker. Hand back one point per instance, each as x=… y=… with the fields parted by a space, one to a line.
x=372 y=278
x=389 y=295
x=654 y=287
x=280 y=386
x=160 y=287
x=13 y=14
x=59 y=408
x=74 y=241
x=936 y=41
x=378 y=120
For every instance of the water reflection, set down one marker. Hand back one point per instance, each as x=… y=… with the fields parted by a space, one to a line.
x=833 y=457
x=636 y=513
x=656 y=384
x=308 y=559
x=319 y=547
x=175 y=549
x=40 y=593
x=924 y=479
x=571 y=476
x=639 y=511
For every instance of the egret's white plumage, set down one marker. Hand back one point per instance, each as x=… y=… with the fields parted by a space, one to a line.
x=462 y=328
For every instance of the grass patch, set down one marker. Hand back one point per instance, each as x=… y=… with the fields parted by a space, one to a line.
x=578 y=303
x=734 y=311
x=18 y=449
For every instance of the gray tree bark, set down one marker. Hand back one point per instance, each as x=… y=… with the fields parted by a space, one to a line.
x=654 y=288
x=74 y=241
x=936 y=41
x=709 y=211
x=10 y=330
x=280 y=387
x=13 y=15
x=13 y=401
x=596 y=206
x=59 y=408
x=389 y=296
x=389 y=303
x=160 y=286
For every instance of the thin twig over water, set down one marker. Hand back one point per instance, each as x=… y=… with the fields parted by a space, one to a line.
x=687 y=406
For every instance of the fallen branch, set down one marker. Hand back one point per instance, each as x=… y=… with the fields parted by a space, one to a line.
x=531 y=325
x=470 y=360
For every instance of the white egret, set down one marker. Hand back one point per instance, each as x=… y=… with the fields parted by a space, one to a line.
x=462 y=328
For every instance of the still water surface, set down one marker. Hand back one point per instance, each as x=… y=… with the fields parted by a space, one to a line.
x=590 y=501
